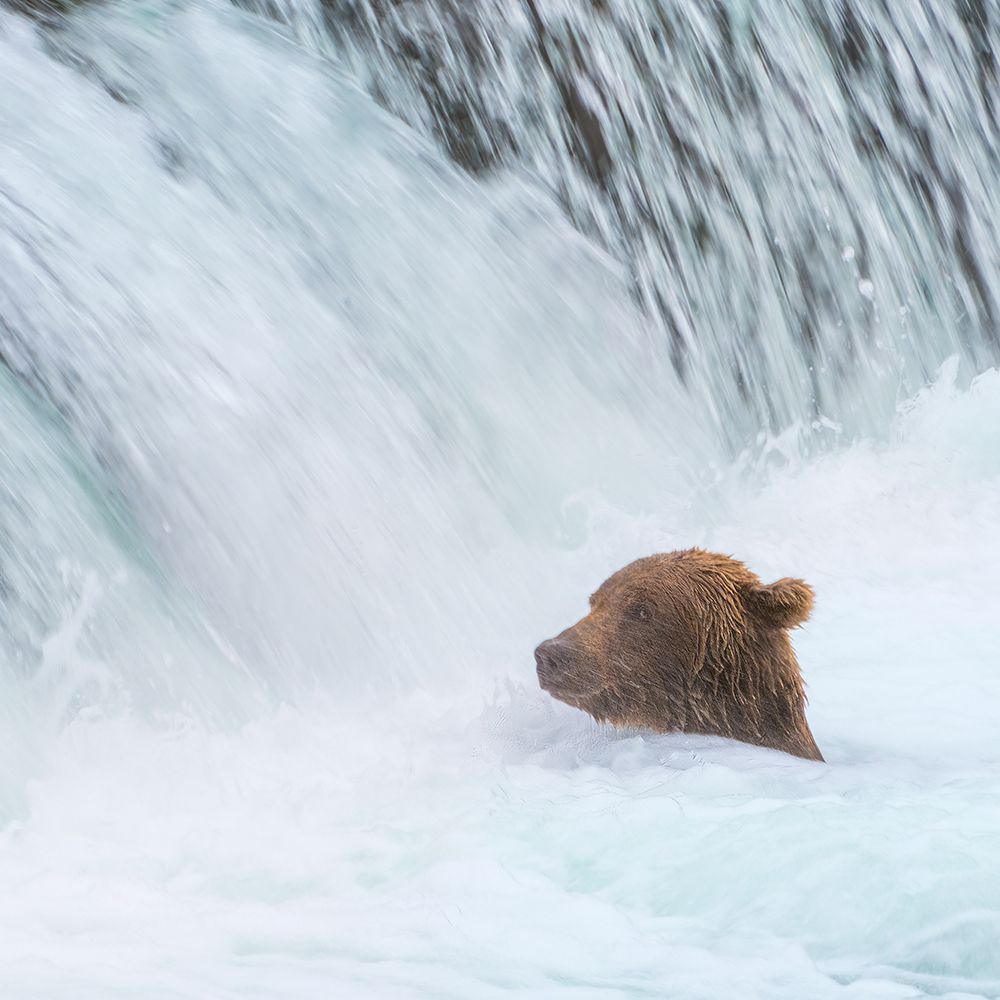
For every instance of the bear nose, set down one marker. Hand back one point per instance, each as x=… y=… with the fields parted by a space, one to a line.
x=550 y=658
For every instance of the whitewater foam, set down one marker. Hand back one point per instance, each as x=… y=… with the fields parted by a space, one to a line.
x=486 y=840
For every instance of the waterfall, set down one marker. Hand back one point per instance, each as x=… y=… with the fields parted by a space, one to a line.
x=318 y=372
x=801 y=193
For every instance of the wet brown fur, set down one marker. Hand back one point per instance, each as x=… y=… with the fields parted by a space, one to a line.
x=688 y=641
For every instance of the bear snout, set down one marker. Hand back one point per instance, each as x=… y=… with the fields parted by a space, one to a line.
x=550 y=661
x=566 y=670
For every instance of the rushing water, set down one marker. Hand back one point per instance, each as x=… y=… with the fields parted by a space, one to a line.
x=308 y=433
x=801 y=192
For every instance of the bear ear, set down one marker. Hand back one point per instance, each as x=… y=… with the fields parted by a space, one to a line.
x=782 y=604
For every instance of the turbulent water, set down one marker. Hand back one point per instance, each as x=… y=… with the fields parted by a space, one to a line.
x=314 y=419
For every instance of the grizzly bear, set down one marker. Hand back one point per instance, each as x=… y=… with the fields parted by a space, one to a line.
x=689 y=642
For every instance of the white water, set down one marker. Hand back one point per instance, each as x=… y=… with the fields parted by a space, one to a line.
x=312 y=439
x=792 y=186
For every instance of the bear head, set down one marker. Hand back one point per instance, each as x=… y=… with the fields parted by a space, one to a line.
x=692 y=642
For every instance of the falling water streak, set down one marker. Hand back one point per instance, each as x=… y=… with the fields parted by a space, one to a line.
x=802 y=192
x=316 y=373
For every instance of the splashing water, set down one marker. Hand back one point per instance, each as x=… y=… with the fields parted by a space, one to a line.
x=307 y=436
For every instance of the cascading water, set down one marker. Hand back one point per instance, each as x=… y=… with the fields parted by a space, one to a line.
x=311 y=425
x=779 y=179
x=280 y=327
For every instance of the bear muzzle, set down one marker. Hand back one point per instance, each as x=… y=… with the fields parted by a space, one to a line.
x=550 y=661
x=564 y=670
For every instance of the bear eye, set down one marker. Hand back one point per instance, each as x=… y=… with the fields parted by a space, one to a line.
x=640 y=611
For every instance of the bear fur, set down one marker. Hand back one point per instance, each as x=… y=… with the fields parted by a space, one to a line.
x=690 y=642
